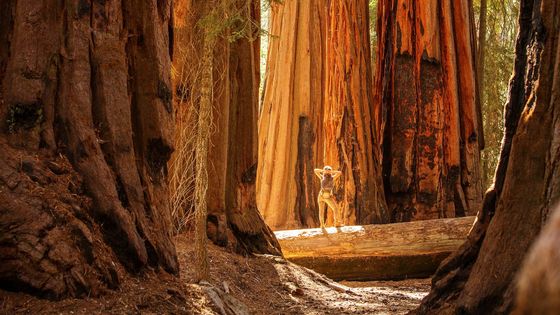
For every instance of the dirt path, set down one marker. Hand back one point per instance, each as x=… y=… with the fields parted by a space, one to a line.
x=270 y=285
x=261 y=285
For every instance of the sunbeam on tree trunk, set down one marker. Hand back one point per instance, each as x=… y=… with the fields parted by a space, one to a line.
x=290 y=124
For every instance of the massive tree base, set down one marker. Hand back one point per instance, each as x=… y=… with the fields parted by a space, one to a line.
x=49 y=242
x=265 y=284
x=480 y=278
x=86 y=130
x=376 y=252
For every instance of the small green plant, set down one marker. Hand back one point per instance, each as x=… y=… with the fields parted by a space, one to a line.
x=231 y=19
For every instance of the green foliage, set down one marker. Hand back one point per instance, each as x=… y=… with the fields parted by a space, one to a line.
x=498 y=66
x=231 y=19
x=265 y=19
x=265 y=4
x=372 y=27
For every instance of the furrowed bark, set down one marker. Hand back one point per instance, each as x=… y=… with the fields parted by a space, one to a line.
x=290 y=125
x=233 y=217
x=427 y=109
x=252 y=233
x=318 y=111
x=92 y=89
x=349 y=138
x=480 y=277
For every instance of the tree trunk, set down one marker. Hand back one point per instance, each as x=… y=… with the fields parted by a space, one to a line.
x=538 y=287
x=311 y=116
x=244 y=217
x=85 y=113
x=201 y=189
x=290 y=124
x=233 y=218
x=430 y=112
x=375 y=252
x=479 y=278
x=349 y=135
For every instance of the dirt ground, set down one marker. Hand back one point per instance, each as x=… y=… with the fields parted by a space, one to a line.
x=257 y=285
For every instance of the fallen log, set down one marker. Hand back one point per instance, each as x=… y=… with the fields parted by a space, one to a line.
x=376 y=252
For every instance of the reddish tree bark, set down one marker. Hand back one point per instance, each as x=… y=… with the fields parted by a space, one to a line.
x=428 y=109
x=290 y=124
x=233 y=217
x=86 y=132
x=349 y=135
x=317 y=110
x=480 y=277
x=245 y=219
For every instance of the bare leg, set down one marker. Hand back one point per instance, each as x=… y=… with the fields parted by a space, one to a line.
x=336 y=211
x=322 y=205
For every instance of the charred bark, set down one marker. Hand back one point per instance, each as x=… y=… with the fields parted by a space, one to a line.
x=428 y=111
x=290 y=124
x=480 y=276
x=85 y=101
x=349 y=134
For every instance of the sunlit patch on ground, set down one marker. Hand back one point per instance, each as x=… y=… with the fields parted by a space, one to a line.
x=355 y=229
x=264 y=284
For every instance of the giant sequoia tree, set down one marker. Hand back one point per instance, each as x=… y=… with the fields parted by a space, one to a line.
x=479 y=278
x=349 y=135
x=317 y=110
x=233 y=218
x=428 y=109
x=290 y=125
x=86 y=132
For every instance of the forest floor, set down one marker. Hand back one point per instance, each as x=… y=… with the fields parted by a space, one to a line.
x=258 y=285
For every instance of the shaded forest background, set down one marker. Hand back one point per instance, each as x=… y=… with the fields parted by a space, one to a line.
x=501 y=30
